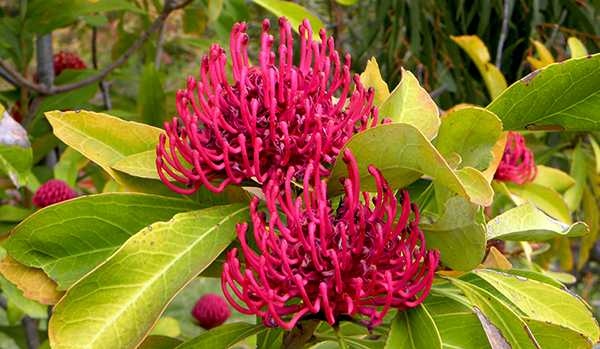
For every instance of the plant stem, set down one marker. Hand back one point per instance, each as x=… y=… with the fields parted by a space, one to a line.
x=340 y=336
x=298 y=336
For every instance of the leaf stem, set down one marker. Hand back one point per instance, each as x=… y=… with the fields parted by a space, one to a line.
x=340 y=336
x=298 y=336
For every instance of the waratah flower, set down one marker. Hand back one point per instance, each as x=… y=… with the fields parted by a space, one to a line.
x=274 y=115
x=54 y=191
x=211 y=311
x=62 y=60
x=67 y=60
x=331 y=264
x=517 y=163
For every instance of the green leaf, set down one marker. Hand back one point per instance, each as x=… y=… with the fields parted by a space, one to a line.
x=553 y=178
x=544 y=302
x=440 y=301
x=470 y=133
x=7 y=342
x=224 y=337
x=15 y=150
x=410 y=103
x=563 y=95
x=116 y=305
x=533 y=275
x=546 y=199
x=551 y=335
x=95 y=21
x=413 y=328
x=159 y=342
x=85 y=231
x=403 y=154
x=578 y=173
x=461 y=330
x=591 y=217
x=371 y=77
x=503 y=327
x=294 y=13
x=271 y=338
x=9 y=213
x=457 y=230
x=152 y=101
x=527 y=223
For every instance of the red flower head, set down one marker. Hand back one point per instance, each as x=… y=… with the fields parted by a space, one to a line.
x=211 y=311
x=54 y=191
x=331 y=264
x=275 y=115
x=517 y=162
x=62 y=60
x=67 y=60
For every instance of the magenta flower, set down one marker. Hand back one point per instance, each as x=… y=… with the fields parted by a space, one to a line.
x=211 y=311
x=67 y=60
x=331 y=264
x=274 y=115
x=54 y=191
x=517 y=163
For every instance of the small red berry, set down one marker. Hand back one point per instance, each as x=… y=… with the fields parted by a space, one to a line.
x=52 y=192
x=211 y=311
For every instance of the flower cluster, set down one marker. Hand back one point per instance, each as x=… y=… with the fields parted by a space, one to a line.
x=350 y=262
x=211 y=311
x=276 y=115
x=54 y=191
x=67 y=60
x=62 y=60
x=517 y=163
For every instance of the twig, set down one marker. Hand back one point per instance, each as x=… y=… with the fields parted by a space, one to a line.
x=104 y=85
x=45 y=75
x=170 y=6
x=298 y=336
x=30 y=327
x=438 y=91
x=502 y=35
x=160 y=43
x=10 y=79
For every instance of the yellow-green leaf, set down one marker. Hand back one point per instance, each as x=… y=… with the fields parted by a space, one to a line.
x=543 y=302
x=527 y=223
x=410 y=103
x=371 y=77
x=576 y=47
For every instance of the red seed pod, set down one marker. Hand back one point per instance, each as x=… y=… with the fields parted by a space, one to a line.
x=54 y=191
x=211 y=311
